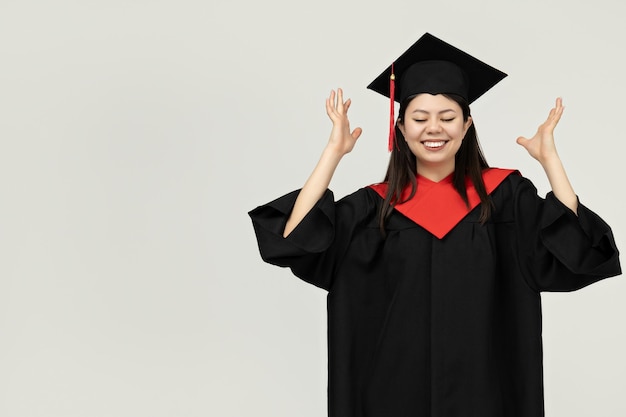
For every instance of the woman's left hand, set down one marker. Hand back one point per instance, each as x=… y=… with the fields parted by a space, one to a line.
x=541 y=146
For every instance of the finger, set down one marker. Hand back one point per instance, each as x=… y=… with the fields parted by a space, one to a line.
x=559 y=106
x=552 y=120
x=340 y=99
x=559 y=102
x=330 y=104
x=522 y=141
x=557 y=112
x=347 y=105
x=357 y=132
x=557 y=115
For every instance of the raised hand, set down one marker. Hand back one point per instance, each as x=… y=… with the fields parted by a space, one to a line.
x=342 y=140
x=541 y=146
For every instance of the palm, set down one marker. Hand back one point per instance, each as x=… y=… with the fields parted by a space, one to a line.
x=341 y=138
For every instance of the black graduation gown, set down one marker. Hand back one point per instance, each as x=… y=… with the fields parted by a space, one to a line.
x=441 y=327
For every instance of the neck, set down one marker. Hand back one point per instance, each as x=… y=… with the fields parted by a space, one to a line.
x=435 y=173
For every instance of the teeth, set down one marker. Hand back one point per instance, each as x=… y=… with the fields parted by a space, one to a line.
x=434 y=144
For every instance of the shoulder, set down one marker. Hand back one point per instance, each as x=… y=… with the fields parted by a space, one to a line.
x=504 y=179
x=365 y=197
x=499 y=172
x=513 y=191
x=493 y=177
x=360 y=202
x=518 y=183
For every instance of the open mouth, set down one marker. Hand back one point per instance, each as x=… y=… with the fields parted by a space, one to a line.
x=434 y=144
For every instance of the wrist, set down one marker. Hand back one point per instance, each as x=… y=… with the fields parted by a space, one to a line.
x=550 y=161
x=332 y=153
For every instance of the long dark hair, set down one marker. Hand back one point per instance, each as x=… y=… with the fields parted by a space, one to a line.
x=469 y=162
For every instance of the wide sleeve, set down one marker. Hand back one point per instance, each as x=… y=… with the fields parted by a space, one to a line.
x=313 y=249
x=557 y=250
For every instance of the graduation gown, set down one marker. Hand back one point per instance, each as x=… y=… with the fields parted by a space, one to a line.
x=425 y=322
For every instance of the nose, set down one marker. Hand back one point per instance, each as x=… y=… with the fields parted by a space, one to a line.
x=433 y=126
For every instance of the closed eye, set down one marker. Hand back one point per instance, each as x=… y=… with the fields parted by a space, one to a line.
x=425 y=120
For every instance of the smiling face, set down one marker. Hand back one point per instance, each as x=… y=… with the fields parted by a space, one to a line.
x=434 y=128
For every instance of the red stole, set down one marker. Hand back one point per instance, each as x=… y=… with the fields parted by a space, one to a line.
x=437 y=206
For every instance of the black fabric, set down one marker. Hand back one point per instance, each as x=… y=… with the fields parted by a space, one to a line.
x=433 y=77
x=421 y=326
x=471 y=79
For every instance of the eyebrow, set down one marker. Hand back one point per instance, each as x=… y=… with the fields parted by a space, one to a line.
x=424 y=111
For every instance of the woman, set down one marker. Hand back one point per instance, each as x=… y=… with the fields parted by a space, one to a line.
x=434 y=276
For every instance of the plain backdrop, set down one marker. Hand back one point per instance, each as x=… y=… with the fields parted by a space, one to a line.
x=135 y=136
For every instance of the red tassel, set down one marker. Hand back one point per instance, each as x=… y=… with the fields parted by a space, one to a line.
x=392 y=113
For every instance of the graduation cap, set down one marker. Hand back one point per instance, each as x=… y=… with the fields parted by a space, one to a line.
x=433 y=66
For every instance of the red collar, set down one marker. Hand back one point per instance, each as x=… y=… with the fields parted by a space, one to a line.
x=437 y=206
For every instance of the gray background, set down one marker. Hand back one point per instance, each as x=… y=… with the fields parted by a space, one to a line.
x=137 y=134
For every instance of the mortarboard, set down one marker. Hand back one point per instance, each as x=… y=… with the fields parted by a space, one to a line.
x=433 y=66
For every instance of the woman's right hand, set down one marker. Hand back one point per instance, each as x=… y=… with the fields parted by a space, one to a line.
x=341 y=139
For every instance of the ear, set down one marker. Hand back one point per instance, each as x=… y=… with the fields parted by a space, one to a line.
x=400 y=126
x=466 y=125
